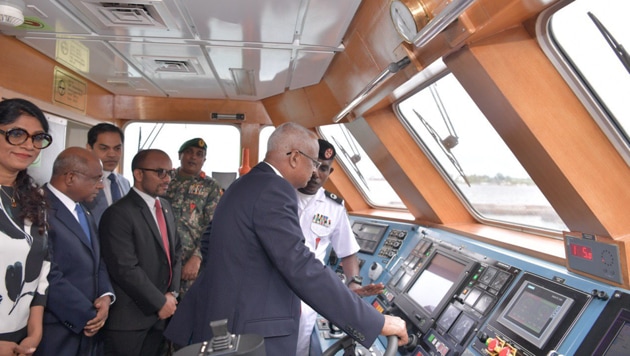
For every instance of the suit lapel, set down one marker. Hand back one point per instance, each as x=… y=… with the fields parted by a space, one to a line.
x=147 y=215
x=63 y=215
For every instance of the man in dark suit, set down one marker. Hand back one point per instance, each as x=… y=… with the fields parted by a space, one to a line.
x=258 y=267
x=141 y=248
x=106 y=141
x=79 y=292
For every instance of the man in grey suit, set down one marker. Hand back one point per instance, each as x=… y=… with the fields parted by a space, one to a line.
x=142 y=252
x=258 y=267
x=106 y=141
x=79 y=292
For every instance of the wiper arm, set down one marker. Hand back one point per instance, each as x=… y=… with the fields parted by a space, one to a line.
x=444 y=146
x=353 y=162
x=621 y=53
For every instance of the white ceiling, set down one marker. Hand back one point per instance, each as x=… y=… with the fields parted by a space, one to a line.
x=190 y=48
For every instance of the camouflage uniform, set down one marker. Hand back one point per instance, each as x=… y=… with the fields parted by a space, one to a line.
x=193 y=200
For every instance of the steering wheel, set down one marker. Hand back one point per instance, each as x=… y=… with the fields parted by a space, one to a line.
x=390 y=350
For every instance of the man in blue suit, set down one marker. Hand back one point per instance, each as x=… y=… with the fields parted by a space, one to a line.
x=258 y=267
x=106 y=141
x=79 y=292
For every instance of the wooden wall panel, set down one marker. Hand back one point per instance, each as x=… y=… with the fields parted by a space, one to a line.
x=186 y=110
x=30 y=74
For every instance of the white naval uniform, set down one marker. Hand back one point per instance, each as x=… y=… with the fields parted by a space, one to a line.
x=324 y=221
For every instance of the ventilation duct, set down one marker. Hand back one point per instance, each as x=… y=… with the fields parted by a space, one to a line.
x=138 y=13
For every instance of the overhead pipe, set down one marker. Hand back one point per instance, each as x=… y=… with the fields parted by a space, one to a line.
x=391 y=68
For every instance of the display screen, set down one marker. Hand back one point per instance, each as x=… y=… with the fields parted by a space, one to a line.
x=621 y=342
x=435 y=281
x=581 y=251
x=616 y=340
x=534 y=313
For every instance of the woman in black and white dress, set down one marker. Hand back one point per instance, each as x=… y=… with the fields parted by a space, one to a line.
x=24 y=262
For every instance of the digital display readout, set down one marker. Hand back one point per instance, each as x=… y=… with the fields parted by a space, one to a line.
x=581 y=251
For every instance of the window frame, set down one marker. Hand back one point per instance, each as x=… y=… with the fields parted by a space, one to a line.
x=440 y=72
x=571 y=76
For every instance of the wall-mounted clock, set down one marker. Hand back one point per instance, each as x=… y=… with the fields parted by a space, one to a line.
x=408 y=17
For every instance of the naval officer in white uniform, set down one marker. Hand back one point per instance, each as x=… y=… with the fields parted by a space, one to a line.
x=324 y=222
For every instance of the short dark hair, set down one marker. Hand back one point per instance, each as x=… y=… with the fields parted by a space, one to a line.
x=96 y=130
x=139 y=159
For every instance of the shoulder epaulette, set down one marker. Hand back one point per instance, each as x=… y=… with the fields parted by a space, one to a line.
x=334 y=197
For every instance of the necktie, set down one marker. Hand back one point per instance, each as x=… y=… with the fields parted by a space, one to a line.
x=83 y=220
x=164 y=232
x=114 y=188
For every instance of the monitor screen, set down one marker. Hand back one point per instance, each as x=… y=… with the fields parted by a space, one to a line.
x=616 y=340
x=534 y=313
x=435 y=281
x=621 y=342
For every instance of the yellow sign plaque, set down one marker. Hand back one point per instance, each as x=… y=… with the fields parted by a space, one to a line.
x=68 y=90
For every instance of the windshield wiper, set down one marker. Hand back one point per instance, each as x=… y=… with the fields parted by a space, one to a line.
x=621 y=53
x=444 y=145
x=354 y=159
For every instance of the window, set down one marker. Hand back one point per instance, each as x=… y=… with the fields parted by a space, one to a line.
x=593 y=62
x=358 y=165
x=224 y=143
x=263 y=138
x=473 y=158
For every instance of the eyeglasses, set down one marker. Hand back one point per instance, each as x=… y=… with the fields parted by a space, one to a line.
x=161 y=172
x=95 y=179
x=315 y=162
x=18 y=136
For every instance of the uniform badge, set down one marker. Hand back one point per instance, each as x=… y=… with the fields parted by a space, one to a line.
x=321 y=219
x=328 y=153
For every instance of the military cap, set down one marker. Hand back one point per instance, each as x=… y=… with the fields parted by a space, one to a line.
x=326 y=150
x=195 y=142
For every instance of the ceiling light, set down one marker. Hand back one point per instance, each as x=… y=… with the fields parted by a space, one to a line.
x=11 y=12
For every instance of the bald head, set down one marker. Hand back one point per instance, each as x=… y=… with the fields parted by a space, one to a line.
x=78 y=174
x=291 y=149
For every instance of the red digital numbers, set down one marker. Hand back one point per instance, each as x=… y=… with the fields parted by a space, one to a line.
x=580 y=251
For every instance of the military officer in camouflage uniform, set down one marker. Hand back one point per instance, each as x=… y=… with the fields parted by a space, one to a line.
x=193 y=197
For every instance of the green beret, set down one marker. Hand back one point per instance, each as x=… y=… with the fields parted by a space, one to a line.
x=195 y=142
x=326 y=150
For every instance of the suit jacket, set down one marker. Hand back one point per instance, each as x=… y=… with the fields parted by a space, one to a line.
x=77 y=277
x=258 y=269
x=99 y=204
x=137 y=261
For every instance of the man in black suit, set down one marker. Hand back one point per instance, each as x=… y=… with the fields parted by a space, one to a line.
x=79 y=292
x=141 y=250
x=258 y=267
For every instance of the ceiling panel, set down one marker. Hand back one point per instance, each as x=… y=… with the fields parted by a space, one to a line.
x=323 y=27
x=245 y=20
x=269 y=68
x=237 y=49
x=179 y=70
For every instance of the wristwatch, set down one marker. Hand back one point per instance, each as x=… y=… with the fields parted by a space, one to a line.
x=356 y=279
x=175 y=294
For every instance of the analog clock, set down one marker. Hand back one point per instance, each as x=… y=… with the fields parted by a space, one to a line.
x=408 y=17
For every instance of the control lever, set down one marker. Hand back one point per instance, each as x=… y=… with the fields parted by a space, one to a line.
x=375 y=271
